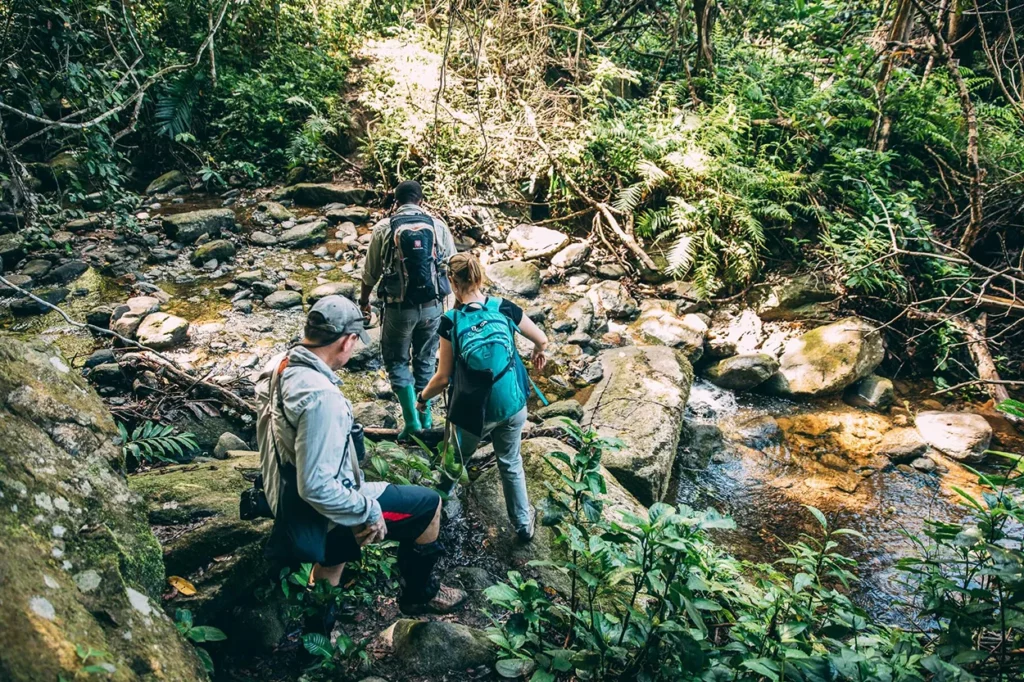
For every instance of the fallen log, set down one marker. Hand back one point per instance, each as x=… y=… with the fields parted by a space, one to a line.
x=188 y=382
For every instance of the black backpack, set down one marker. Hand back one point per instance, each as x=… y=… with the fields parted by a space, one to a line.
x=414 y=271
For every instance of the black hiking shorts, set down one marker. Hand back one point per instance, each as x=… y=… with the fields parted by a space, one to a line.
x=407 y=511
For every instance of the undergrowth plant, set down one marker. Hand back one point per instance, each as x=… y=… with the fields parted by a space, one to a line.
x=151 y=442
x=198 y=634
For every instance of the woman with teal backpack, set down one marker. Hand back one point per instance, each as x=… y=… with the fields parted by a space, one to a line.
x=488 y=383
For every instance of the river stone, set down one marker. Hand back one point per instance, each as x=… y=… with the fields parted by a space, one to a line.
x=374 y=413
x=581 y=314
x=166 y=182
x=610 y=271
x=487 y=504
x=219 y=249
x=346 y=289
x=613 y=301
x=161 y=331
x=320 y=194
x=227 y=443
x=65 y=273
x=571 y=256
x=516 y=277
x=828 y=359
x=871 y=393
x=731 y=334
x=12 y=250
x=903 y=445
x=758 y=432
x=86 y=224
x=263 y=288
x=179 y=496
x=276 y=211
x=742 y=372
x=563 y=408
x=24 y=307
x=247 y=278
x=63 y=465
x=435 y=647
x=534 y=241
x=964 y=436
x=188 y=227
x=36 y=268
x=18 y=280
x=127 y=318
x=794 y=298
x=304 y=234
x=641 y=400
x=262 y=238
x=351 y=214
x=367 y=356
x=282 y=300
x=659 y=321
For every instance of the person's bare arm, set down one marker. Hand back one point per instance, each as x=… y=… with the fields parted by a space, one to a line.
x=438 y=382
x=540 y=341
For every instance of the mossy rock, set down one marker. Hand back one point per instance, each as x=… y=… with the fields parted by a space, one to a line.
x=80 y=565
x=320 y=194
x=828 y=359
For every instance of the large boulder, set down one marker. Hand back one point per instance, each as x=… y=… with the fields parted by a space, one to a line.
x=126 y=318
x=218 y=249
x=161 y=331
x=733 y=334
x=642 y=400
x=571 y=256
x=659 y=322
x=487 y=504
x=80 y=566
x=167 y=182
x=319 y=194
x=964 y=436
x=534 y=241
x=188 y=227
x=795 y=298
x=204 y=540
x=742 y=372
x=828 y=359
x=436 y=647
x=304 y=234
x=516 y=277
x=612 y=300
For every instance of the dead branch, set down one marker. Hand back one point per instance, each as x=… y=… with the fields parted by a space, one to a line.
x=189 y=382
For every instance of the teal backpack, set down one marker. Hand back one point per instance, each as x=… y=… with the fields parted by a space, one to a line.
x=490 y=382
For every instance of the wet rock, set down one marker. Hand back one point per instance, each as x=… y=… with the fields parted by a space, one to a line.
x=903 y=445
x=612 y=300
x=12 y=250
x=262 y=288
x=227 y=443
x=592 y=373
x=127 y=318
x=534 y=241
x=189 y=227
x=742 y=372
x=924 y=464
x=161 y=255
x=304 y=234
x=579 y=339
x=659 y=321
x=108 y=374
x=166 y=182
x=828 y=359
x=66 y=272
x=572 y=256
x=320 y=194
x=435 y=647
x=228 y=289
x=516 y=277
x=25 y=307
x=642 y=400
x=795 y=298
x=731 y=334
x=276 y=211
x=243 y=306
x=86 y=224
x=346 y=289
x=100 y=316
x=22 y=281
x=262 y=239
x=871 y=393
x=36 y=268
x=282 y=300
x=79 y=561
x=99 y=357
x=563 y=408
x=351 y=214
x=219 y=250
x=372 y=413
x=581 y=315
x=487 y=504
x=537 y=314
x=162 y=331
x=367 y=356
x=963 y=436
x=246 y=279
x=610 y=271
x=758 y=432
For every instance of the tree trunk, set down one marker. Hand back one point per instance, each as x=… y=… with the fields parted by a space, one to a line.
x=704 y=13
x=899 y=30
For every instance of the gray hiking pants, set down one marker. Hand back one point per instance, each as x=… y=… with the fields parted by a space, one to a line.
x=506 y=437
x=409 y=335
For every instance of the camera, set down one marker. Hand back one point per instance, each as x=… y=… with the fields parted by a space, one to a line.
x=253 y=502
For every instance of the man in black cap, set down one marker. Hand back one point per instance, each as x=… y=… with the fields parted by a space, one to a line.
x=323 y=509
x=408 y=255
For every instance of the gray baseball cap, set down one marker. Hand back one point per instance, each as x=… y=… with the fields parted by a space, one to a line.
x=339 y=315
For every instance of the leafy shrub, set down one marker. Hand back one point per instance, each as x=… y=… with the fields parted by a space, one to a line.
x=151 y=442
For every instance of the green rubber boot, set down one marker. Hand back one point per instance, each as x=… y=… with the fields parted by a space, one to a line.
x=410 y=417
x=426 y=419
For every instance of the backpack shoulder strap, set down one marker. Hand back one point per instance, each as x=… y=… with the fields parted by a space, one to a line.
x=409 y=218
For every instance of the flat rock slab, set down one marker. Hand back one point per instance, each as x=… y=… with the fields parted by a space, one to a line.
x=964 y=436
x=188 y=227
x=304 y=234
x=641 y=400
x=320 y=194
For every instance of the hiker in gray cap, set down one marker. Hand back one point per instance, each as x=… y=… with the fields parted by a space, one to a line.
x=323 y=509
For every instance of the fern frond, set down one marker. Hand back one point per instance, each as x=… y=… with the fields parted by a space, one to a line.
x=174 y=108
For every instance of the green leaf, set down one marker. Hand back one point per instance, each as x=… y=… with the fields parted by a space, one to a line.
x=204 y=656
x=208 y=633
x=818 y=515
x=317 y=644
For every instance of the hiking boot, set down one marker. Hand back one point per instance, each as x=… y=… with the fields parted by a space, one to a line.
x=447 y=600
x=410 y=417
x=426 y=418
x=525 y=533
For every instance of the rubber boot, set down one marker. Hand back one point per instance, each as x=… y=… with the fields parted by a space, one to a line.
x=410 y=417
x=426 y=419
